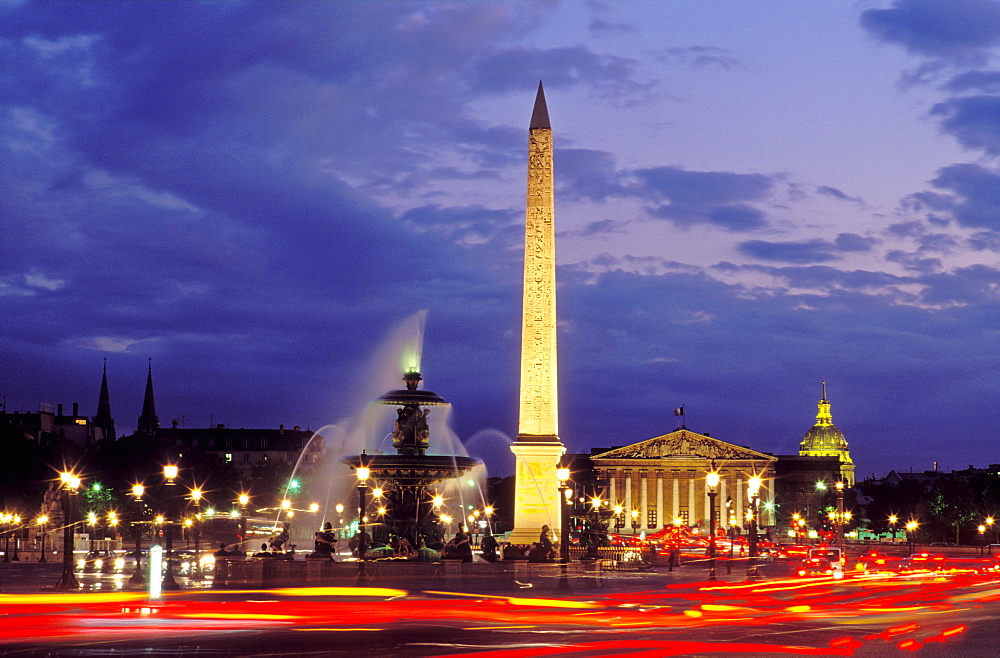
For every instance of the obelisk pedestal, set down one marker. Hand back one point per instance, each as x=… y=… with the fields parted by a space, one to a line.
x=537 y=449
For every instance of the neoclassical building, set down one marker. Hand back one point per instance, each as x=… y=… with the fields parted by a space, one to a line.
x=824 y=440
x=664 y=479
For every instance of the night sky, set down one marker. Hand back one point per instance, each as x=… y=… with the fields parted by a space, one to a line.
x=751 y=197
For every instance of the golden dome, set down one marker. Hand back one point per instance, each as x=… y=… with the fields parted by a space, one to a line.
x=824 y=439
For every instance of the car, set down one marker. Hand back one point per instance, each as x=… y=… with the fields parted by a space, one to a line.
x=815 y=566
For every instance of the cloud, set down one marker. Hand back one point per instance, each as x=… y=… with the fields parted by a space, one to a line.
x=589 y=174
x=804 y=251
x=958 y=30
x=914 y=262
x=699 y=57
x=983 y=81
x=601 y=27
x=975 y=195
x=826 y=190
x=974 y=121
x=504 y=70
x=713 y=197
x=600 y=227
x=854 y=242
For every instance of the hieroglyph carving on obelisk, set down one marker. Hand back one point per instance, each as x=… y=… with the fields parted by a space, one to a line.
x=537 y=448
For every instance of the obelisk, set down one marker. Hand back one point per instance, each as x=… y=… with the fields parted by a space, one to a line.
x=537 y=449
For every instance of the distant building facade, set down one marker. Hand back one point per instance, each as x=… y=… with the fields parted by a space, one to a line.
x=245 y=448
x=46 y=426
x=663 y=479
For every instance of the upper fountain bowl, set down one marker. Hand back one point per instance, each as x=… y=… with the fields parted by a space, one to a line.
x=410 y=395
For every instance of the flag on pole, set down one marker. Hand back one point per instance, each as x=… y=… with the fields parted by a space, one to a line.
x=679 y=411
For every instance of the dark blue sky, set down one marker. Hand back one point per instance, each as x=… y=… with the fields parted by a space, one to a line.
x=751 y=197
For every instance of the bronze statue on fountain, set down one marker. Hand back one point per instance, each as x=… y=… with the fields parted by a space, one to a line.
x=406 y=476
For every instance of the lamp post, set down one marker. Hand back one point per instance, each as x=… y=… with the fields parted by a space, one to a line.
x=42 y=521
x=363 y=472
x=911 y=527
x=635 y=520
x=138 y=578
x=712 y=480
x=730 y=532
x=92 y=522
x=564 y=497
x=196 y=499
x=243 y=500
x=7 y=520
x=16 y=519
x=70 y=484
x=893 y=520
x=170 y=474
x=594 y=519
x=840 y=514
x=753 y=490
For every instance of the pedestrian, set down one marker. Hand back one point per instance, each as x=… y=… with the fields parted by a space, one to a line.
x=548 y=548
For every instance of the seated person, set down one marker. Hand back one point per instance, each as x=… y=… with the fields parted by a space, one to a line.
x=263 y=552
x=222 y=552
x=279 y=540
x=490 y=547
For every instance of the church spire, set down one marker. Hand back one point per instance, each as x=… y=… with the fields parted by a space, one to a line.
x=103 y=419
x=823 y=416
x=148 y=420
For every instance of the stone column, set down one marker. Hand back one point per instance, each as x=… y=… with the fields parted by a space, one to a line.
x=643 y=500
x=676 y=498
x=661 y=513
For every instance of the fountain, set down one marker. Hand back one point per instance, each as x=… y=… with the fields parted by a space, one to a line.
x=406 y=476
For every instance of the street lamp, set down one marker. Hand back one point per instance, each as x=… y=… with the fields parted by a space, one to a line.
x=363 y=472
x=893 y=520
x=619 y=511
x=731 y=531
x=196 y=496
x=70 y=484
x=635 y=520
x=712 y=480
x=138 y=578
x=42 y=521
x=594 y=521
x=243 y=499
x=92 y=522
x=911 y=527
x=170 y=474
x=840 y=513
x=562 y=473
x=753 y=490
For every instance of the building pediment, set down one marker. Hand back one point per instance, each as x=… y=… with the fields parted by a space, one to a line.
x=685 y=444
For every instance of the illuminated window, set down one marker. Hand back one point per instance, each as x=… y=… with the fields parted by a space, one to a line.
x=229 y=457
x=651 y=518
x=81 y=421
